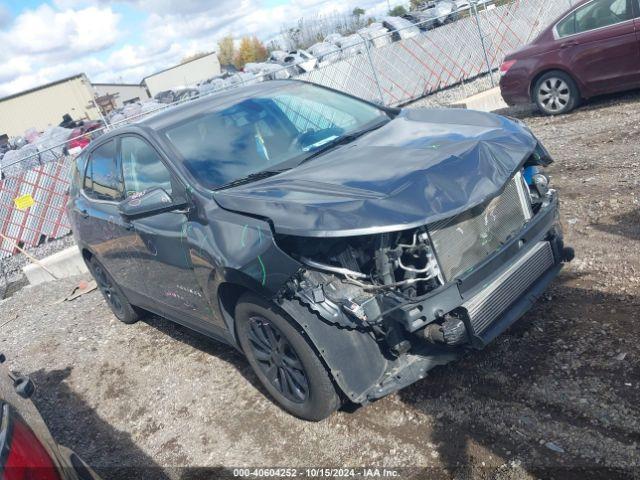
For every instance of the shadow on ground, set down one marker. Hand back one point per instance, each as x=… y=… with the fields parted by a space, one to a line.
x=483 y=405
x=74 y=424
x=626 y=225
x=109 y=451
x=596 y=103
x=209 y=346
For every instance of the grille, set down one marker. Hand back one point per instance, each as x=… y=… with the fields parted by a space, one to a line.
x=463 y=241
x=493 y=300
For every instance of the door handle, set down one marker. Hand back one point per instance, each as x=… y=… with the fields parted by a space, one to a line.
x=568 y=44
x=83 y=213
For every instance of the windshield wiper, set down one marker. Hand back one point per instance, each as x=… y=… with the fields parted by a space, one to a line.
x=341 y=141
x=252 y=177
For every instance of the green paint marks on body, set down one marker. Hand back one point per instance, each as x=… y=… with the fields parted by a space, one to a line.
x=264 y=271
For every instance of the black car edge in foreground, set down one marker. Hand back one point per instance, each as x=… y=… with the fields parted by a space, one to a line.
x=346 y=249
x=27 y=449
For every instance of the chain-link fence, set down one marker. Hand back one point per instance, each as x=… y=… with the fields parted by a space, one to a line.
x=388 y=66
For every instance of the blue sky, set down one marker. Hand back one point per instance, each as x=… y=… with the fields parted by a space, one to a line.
x=125 y=40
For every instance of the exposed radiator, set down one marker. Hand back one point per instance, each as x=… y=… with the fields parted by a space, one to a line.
x=463 y=241
x=484 y=308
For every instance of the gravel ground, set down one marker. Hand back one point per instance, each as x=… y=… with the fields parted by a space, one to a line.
x=557 y=395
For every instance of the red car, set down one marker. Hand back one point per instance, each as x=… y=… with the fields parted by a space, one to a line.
x=80 y=137
x=592 y=49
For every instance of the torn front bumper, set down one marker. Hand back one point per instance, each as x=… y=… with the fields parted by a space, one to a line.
x=489 y=298
x=487 y=293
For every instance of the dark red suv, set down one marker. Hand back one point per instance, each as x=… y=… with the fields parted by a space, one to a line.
x=592 y=49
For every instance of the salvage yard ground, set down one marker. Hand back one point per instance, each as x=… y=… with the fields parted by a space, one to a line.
x=559 y=390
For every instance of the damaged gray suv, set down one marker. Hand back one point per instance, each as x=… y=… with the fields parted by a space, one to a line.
x=345 y=248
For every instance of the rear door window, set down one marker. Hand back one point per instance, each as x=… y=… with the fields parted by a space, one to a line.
x=103 y=179
x=597 y=14
x=78 y=168
x=142 y=167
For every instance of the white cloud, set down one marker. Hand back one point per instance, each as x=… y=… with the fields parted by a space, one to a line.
x=45 y=30
x=47 y=43
x=65 y=37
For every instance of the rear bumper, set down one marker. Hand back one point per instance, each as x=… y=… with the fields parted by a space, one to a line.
x=75 y=467
x=515 y=89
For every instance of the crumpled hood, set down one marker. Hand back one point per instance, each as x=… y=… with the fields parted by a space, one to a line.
x=425 y=165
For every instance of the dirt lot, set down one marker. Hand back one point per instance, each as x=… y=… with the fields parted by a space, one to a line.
x=558 y=392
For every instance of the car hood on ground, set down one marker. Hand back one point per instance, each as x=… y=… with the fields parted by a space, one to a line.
x=422 y=166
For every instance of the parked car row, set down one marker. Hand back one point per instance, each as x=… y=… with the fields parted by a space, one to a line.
x=334 y=47
x=436 y=14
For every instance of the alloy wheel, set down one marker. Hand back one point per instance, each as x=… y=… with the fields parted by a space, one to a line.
x=554 y=94
x=106 y=286
x=278 y=360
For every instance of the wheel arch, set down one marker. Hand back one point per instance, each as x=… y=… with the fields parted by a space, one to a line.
x=334 y=346
x=227 y=296
x=87 y=254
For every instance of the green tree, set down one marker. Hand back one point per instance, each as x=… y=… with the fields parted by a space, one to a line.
x=226 y=50
x=358 y=12
x=398 y=11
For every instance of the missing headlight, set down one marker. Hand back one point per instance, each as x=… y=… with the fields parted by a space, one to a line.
x=401 y=261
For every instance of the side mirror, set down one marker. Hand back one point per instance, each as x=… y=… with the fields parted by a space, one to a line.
x=148 y=202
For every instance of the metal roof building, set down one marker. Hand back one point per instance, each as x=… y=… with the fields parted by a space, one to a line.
x=184 y=75
x=44 y=106
x=123 y=92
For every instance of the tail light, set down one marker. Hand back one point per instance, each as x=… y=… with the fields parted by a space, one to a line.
x=23 y=455
x=506 y=66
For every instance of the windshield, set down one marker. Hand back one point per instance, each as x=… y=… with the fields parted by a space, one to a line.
x=270 y=131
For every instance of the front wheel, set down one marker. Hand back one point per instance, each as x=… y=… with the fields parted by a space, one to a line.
x=284 y=361
x=556 y=93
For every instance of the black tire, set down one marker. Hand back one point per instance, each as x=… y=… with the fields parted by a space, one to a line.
x=283 y=360
x=556 y=93
x=120 y=306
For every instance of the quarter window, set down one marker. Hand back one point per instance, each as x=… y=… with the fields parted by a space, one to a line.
x=567 y=26
x=142 y=167
x=103 y=179
x=597 y=14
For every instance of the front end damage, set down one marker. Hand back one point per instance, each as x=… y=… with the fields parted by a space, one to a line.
x=383 y=309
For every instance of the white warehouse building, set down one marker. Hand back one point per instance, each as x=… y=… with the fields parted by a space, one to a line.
x=43 y=106
x=122 y=93
x=186 y=74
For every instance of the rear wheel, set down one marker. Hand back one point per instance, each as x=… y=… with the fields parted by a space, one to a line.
x=556 y=93
x=284 y=361
x=112 y=293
